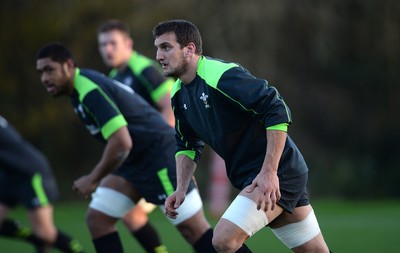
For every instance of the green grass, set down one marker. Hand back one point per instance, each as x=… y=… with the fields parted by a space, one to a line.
x=348 y=226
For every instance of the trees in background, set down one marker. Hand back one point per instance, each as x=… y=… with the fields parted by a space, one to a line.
x=335 y=62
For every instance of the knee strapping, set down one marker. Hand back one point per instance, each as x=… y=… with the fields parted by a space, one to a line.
x=111 y=202
x=298 y=233
x=188 y=209
x=243 y=212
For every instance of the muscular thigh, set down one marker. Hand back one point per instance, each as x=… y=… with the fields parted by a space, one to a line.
x=121 y=185
x=242 y=219
x=254 y=195
x=298 y=214
x=41 y=220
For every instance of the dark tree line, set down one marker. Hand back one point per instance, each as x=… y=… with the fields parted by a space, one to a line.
x=335 y=62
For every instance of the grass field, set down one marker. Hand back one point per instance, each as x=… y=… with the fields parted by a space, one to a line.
x=347 y=226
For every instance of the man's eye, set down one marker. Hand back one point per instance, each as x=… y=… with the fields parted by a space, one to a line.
x=48 y=71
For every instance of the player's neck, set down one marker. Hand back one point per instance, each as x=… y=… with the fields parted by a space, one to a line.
x=191 y=71
x=124 y=64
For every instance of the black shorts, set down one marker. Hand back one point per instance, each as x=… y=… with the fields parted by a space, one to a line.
x=293 y=192
x=154 y=174
x=31 y=191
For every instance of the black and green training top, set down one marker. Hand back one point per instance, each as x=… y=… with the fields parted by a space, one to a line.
x=230 y=109
x=145 y=77
x=105 y=105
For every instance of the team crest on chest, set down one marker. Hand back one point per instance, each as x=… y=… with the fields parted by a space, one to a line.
x=128 y=81
x=204 y=98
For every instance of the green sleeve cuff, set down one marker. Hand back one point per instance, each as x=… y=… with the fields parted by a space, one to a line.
x=163 y=89
x=113 y=125
x=189 y=153
x=280 y=127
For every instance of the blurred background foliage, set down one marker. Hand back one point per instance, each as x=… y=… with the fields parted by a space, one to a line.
x=336 y=63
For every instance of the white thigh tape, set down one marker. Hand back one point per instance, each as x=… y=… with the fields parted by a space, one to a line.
x=298 y=233
x=190 y=207
x=243 y=212
x=146 y=206
x=111 y=202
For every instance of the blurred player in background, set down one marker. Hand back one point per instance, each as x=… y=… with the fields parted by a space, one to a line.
x=219 y=189
x=26 y=178
x=138 y=158
x=144 y=76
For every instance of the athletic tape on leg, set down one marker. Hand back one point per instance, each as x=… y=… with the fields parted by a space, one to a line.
x=298 y=233
x=190 y=207
x=111 y=202
x=243 y=212
x=146 y=206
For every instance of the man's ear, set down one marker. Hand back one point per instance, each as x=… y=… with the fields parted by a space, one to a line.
x=69 y=66
x=130 y=42
x=190 y=50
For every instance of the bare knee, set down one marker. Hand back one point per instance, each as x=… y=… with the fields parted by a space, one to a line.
x=99 y=224
x=187 y=232
x=228 y=237
x=225 y=244
x=92 y=219
x=47 y=234
x=41 y=220
x=136 y=218
x=193 y=228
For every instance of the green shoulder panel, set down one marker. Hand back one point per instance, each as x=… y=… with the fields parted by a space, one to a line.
x=211 y=70
x=138 y=63
x=161 y=90
x=83 y=85
x=176 y=87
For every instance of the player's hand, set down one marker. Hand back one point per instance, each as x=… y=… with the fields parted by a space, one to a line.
x=84 y=186
x=267 y=184
x=173 y=202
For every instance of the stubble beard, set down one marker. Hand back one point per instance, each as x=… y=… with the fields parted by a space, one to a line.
x=180 y=70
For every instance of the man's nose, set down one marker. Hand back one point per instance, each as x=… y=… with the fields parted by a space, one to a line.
x=44 y=78
x=159 y=55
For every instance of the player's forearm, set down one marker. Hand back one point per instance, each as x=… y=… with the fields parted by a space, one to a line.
x=116 y=151
x=168 y=115
x=185 y=168
x=275 y=143
x=166 y=110
x=108 y=163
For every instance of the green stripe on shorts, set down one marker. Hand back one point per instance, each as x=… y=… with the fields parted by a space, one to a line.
x=39 y=190
x=165 y=181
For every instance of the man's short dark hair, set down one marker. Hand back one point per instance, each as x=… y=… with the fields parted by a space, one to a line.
x=56 y=51
x=114 y=24
x=185 y=32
